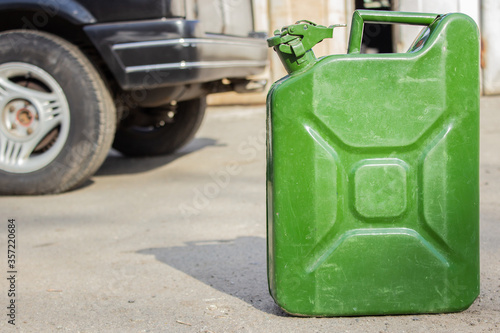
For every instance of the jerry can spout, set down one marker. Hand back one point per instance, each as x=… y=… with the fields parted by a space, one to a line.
x=294 y=43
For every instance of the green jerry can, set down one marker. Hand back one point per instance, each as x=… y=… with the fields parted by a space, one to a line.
x=373 y=171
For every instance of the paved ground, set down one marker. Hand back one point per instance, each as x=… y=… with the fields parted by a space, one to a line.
x=177 y=244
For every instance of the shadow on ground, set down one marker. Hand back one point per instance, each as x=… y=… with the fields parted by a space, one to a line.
x=236 y=267
x=117 y=164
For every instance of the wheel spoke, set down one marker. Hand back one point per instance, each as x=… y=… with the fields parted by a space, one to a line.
x=10 y=90
x=52 y=115
x=13 y=152
x=47 y=123
x=52 y=108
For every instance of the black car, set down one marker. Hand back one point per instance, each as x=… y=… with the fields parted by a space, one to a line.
x=77 y=76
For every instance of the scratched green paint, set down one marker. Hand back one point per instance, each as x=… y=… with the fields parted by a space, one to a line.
x=372 y=172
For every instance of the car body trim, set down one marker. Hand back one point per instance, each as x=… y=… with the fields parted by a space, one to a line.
x=197 y=64
x=184 y=42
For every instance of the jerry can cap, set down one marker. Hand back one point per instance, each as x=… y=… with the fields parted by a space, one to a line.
x=293 y=43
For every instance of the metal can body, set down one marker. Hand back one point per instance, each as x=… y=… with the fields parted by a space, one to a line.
x=373 y=181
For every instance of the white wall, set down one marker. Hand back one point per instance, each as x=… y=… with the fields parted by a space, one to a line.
x=408 y=33
x=490 y=39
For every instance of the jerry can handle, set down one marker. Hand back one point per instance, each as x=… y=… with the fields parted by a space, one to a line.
x=361 y=16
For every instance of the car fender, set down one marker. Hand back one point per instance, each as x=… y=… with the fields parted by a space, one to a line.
x=70 y=10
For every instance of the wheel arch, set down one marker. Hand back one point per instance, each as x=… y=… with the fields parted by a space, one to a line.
x=70 y=10
x=36 y=15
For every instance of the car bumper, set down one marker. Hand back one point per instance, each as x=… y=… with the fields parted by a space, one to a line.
x=169 y=52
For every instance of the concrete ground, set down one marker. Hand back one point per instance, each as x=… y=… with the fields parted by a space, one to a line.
x=177 y=244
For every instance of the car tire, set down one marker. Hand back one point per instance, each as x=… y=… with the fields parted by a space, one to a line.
x=57 y=118
x=164 y=137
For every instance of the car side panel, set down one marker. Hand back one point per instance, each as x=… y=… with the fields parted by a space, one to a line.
x=131 y=10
